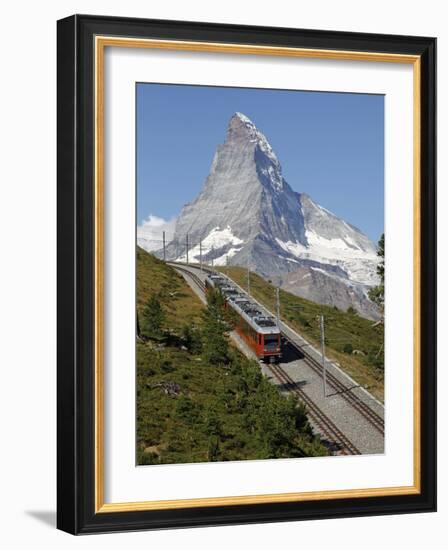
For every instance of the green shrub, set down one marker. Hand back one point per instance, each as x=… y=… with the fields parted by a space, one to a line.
x=153 y=318
x=192 y=338
x=348 y=348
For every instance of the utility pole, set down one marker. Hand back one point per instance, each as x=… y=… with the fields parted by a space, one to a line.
x=227 y=265
x=248 y=280
x=322 y=345
x=200 y=254
x=164 y=253
x=186 y=241
x=277 y=296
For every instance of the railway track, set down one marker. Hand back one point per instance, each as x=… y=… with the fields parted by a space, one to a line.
x=339 y=387
x=198 y=281
x=364 y=410
x=324 y=424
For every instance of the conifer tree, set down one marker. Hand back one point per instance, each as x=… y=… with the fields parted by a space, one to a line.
x=153 y=317
x=376 y=293
x=215 y=346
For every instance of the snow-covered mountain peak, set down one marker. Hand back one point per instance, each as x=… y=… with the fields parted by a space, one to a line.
x=244 y=119
x=247 y=215
x=241 y=127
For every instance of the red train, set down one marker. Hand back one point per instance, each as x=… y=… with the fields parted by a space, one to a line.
x=258 y=330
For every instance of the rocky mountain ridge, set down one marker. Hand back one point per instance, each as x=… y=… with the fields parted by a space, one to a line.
x=247 y=214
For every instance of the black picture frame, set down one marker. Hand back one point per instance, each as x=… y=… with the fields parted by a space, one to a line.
x=76 y=264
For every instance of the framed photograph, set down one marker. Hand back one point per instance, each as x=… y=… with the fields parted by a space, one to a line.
x=246 y=274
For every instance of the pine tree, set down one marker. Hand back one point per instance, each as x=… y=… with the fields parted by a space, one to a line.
x=376 y=293
x=153 y=318
x=215 y=346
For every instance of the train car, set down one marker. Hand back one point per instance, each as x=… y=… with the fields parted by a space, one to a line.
x=215 y=282
x=257 y=329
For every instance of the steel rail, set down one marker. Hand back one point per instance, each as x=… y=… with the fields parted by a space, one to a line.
x=324 y=424
x=364 y=410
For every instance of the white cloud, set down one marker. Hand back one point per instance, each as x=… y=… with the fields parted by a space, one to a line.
x=150 y=232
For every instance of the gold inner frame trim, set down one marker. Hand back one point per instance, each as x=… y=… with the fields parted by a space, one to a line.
x=101 y=42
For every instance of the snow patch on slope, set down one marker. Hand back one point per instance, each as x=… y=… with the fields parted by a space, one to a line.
x=359 y=265
x=218 y=239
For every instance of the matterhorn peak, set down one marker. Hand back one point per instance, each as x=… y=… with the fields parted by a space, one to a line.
x=248 y=215
x=242 y=129
x=243 y=126
x=241 y=122
x=244 y=120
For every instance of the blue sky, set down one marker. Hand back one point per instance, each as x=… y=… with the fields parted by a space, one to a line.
x=330 y=145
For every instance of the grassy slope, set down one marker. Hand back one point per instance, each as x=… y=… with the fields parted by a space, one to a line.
x=341 y=328
x=220 y=412
x=154 y=277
